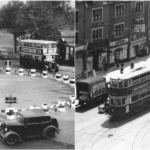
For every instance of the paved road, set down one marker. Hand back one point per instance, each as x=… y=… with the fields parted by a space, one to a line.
x=95 y=131
x=38 y=91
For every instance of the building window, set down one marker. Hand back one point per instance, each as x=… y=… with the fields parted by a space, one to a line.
x=139 y=21
x=119 y=10
x=139 y=6
x=97 y=34
x=97 y=14
x=119 y=30
x=77 y=16
x=77 y=37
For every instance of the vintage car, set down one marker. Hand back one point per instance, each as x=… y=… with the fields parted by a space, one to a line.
x=28 y=123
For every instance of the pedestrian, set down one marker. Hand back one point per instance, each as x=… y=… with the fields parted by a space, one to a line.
x=94 y=72
x=105 y=67
x=117 y=65
x=121 y=70
x=132 y=65
x=53 y=65
x=122 y=65
x=147 y=51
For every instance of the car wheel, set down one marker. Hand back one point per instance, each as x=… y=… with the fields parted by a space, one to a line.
x=12 y=139
x=49 y=133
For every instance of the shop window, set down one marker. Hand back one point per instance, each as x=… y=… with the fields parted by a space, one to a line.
x=97 y=14
x=139 y=6
x=97 y=34
x=119 y=30
x=119 y=10
x=135 y=98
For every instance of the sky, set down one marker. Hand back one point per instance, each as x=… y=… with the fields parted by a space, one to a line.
x=2 y=2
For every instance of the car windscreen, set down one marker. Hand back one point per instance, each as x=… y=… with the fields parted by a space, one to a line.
x=82 y=88
x=19 y=118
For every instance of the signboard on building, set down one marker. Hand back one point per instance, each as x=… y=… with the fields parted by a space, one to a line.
x=139 y=35
x=119 y=42
x=89 y=63
x=139 y=28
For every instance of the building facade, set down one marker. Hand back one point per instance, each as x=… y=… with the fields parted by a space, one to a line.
x=116 y=31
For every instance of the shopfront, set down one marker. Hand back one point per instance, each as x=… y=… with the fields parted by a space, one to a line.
x=138 y=45
x=97 y=55
x=118 y=51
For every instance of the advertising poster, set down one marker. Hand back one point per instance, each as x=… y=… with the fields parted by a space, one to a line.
x=79 y=65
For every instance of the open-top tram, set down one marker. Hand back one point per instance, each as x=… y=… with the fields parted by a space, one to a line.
x=129 y=92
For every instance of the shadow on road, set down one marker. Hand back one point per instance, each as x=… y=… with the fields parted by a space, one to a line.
x=117 y=123
x=85 y=108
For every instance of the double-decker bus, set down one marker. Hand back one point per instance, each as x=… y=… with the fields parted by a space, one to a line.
x=129 y=92
x=34 y=52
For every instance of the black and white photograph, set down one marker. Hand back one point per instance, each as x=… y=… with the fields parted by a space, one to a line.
x=112 y=74
x=37 y=74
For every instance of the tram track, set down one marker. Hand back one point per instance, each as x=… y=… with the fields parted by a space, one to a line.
x=99 y=139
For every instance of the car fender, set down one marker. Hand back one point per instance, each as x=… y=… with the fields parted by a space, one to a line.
x=11 y=132
x=52 y=127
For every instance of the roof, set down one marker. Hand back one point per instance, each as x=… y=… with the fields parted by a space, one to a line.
x=140 y=68
x=37 y=41
x=33 y=113
x=91 y=80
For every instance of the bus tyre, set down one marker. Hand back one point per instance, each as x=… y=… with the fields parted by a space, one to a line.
x=49 y=133
x=11 y=139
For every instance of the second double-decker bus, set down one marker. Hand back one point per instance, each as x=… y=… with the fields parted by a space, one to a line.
x=129 y=92
x=34 y=52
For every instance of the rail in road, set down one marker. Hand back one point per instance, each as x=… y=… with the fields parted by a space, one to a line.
x=127 y=134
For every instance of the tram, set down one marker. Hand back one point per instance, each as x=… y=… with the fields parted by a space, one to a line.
x=129 y=92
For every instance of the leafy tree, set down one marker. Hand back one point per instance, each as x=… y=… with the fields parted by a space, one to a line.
x=41 y=19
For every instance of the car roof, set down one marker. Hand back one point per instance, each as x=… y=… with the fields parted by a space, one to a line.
x=92 y=80
x=33 y=113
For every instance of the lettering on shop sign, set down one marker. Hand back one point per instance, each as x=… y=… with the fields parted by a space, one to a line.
x=35 y=51
x=119 y=42
x=136 y=36
x=10 y=100
x=141 y=87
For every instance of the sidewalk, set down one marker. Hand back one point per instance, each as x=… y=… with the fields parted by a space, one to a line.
x=61 y=68
x=136 y=61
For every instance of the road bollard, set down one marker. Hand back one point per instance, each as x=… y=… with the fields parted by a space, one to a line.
x=10 y=112
x=20 y=71
x=33 y=74
x=72 y=82
x=44 y=74
x=7 y=70
x=65 y=79
x=58 y=77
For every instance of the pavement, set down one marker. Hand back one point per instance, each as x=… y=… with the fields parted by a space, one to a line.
x=126 y=64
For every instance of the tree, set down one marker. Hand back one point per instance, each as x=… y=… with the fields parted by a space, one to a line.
x=41 y=19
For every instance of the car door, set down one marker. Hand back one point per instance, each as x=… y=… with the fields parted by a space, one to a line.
x=33 y=127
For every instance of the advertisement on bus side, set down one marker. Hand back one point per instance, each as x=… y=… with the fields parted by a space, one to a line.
x=98 y=89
